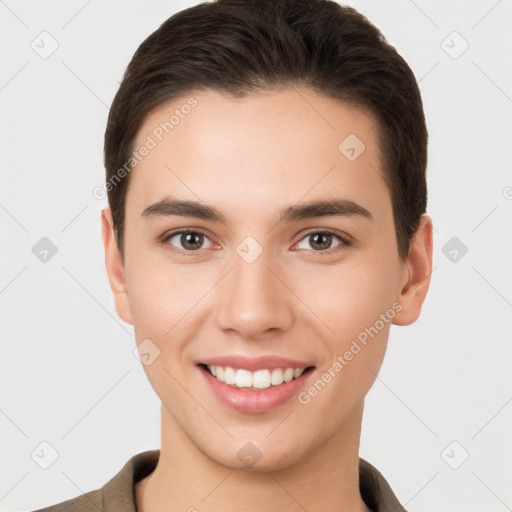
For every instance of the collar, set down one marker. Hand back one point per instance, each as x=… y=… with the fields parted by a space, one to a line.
x=119 y=492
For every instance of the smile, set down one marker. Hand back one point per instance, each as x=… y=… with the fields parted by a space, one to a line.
x=260 y=379
x=255 y=385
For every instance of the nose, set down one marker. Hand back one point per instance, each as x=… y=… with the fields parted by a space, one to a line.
x=254 y=299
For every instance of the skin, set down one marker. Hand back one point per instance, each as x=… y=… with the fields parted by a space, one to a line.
x=251 y=157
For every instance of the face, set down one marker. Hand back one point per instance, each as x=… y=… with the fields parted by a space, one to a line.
x=260 y=247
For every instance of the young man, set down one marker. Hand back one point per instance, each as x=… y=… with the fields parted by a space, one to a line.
x=266 y=226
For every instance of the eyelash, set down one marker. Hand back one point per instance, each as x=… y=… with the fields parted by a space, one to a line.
x=345 y=242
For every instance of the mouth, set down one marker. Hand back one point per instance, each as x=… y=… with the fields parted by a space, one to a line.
x=258 y=380
x=254 y=385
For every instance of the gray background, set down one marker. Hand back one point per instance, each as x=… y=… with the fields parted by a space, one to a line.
x=68 y=374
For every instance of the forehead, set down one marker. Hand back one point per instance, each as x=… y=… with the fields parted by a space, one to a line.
x=255 y=148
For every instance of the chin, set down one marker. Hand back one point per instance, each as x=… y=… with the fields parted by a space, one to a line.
x=251 y=459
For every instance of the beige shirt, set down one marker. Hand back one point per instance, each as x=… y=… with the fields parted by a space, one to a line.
x=118 y=494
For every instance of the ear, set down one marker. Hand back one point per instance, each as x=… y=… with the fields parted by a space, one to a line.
x=115 y=267
x=416 y=273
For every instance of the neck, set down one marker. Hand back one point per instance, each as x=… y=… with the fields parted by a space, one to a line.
x=185 y=479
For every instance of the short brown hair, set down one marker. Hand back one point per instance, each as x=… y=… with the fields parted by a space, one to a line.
x=241 y=46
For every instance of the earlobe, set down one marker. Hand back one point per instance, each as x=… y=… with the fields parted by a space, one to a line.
x=115 y=267
x=418 y=267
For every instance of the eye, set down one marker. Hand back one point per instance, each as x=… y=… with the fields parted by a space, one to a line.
x=190 y=241
x=187 y=240
x=321 y=241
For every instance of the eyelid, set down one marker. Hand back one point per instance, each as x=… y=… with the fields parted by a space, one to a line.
x=343 y=236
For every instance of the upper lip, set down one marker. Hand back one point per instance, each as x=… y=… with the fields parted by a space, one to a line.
x=254 y=363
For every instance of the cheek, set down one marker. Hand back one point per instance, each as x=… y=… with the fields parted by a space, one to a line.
x=169 y=307
x=356 y=312
x=355 y=306
x=163 y=295
x=348 y=299
x=165 y=302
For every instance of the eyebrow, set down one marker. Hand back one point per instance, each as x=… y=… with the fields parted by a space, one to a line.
x=337 y=207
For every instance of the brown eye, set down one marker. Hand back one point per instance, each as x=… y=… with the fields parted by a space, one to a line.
x=321 y=241
x=190 y=241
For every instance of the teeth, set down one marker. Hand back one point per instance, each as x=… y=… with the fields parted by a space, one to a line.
x=288 y=374
x=260 y=379
x=243 y=379
x=277 y=377
x=229 y=375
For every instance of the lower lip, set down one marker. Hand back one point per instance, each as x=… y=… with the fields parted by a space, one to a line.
x=246 y=400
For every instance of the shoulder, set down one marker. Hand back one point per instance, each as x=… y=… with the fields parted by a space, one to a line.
x=88 y=502
x=117 y=494
x=376 y=491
